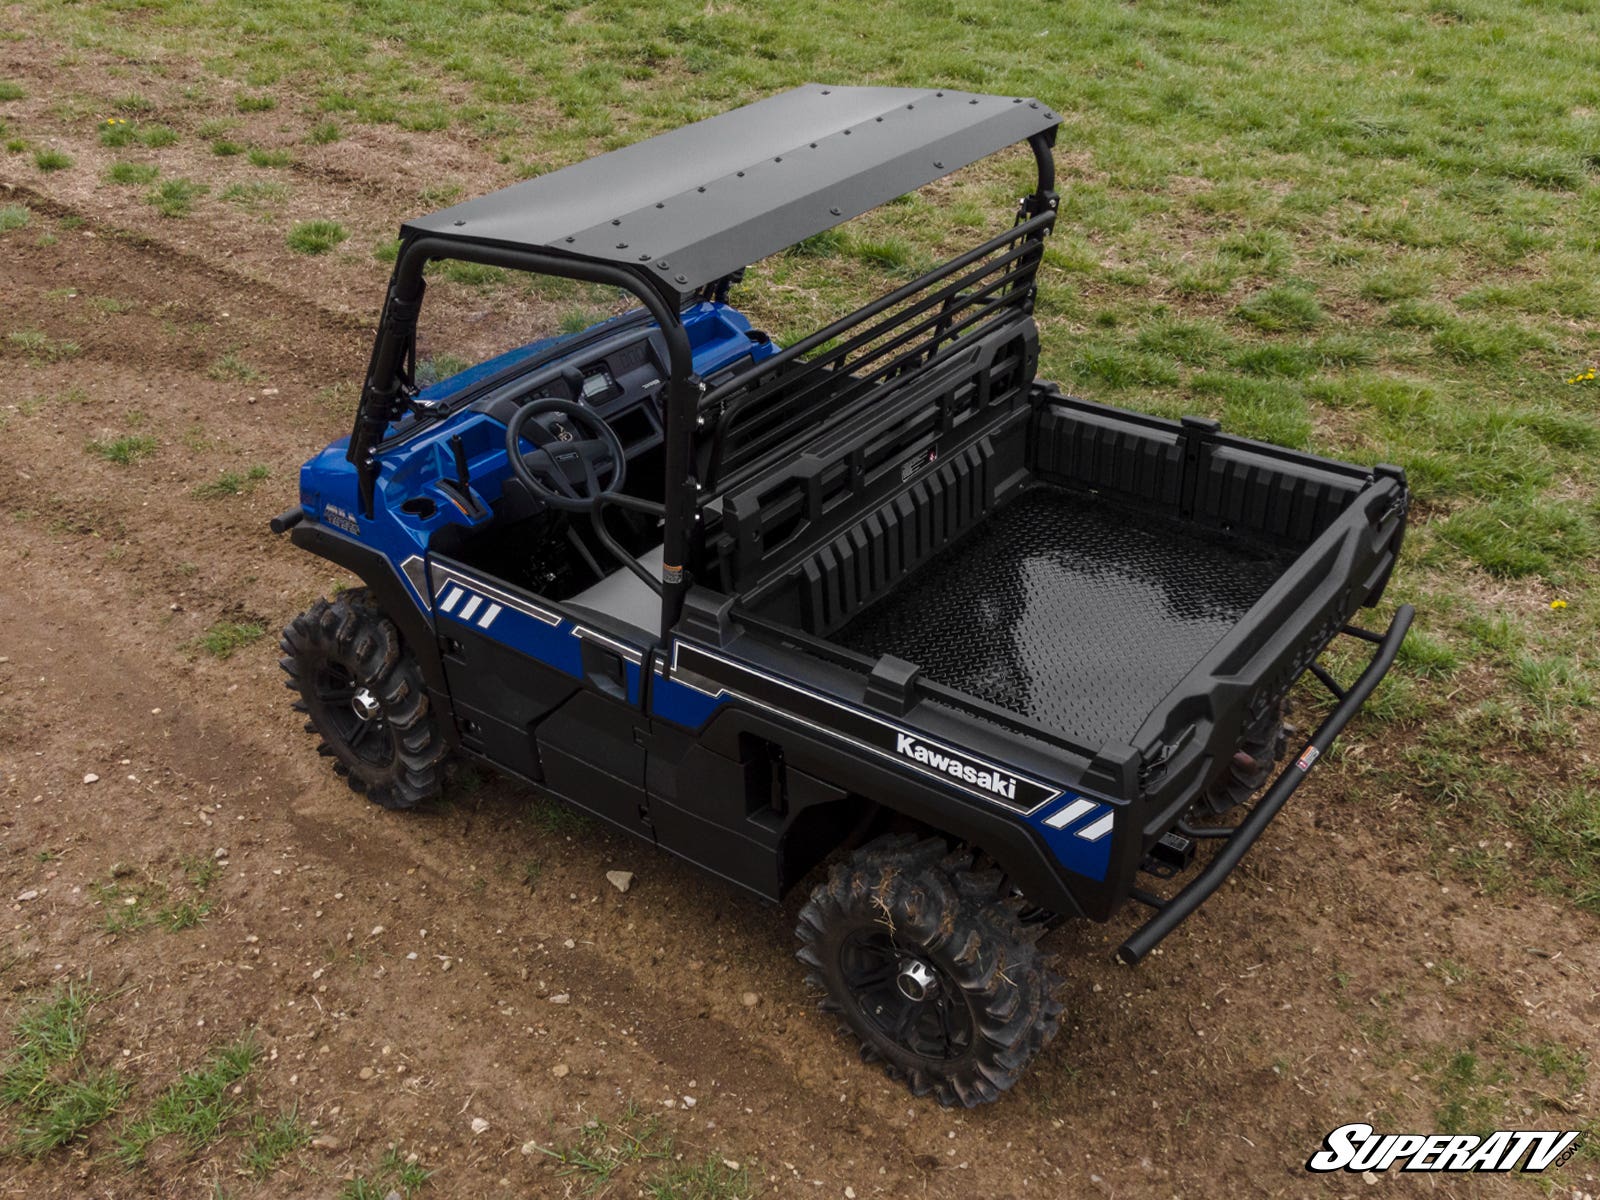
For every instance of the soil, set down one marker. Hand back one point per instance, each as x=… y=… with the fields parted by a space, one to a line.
x=401 y=973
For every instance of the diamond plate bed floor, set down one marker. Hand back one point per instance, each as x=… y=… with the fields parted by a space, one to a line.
x=1075 y=614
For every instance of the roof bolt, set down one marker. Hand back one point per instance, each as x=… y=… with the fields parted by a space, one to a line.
x=661 y=204
x=971 y=101
x=827 y=91
x=662 y=265
x=622 y=245
x=847 y=133
x=1033 y=104
x=940 y=165
x=681 y=278
x=813 y=145
x=740 y=174
x=911 y=106
x=700 y=189
x=938 y=93
x=460 y=222
x=572 y=239
x=778 y=159
x=1018 y=100
x=834 y=211
x=644 y=258
x=879 y=120
x=618 y=221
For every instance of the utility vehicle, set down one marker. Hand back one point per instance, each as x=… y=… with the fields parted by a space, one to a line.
x=877 y=594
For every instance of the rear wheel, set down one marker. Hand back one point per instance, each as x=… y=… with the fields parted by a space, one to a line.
x=927 y=961
x=362 y=693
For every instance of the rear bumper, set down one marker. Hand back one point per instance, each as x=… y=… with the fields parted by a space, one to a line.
x=1237 y=840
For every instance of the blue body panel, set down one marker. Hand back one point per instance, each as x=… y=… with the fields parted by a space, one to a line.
x=413 y=469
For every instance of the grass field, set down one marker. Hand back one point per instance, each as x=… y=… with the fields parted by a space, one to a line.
x=1371 y=230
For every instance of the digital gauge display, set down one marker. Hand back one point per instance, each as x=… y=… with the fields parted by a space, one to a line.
x=594 y=385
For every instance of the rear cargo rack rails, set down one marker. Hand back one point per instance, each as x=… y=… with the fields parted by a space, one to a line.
x=1238 y=839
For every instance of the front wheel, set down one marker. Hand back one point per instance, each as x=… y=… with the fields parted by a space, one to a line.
x=362 y=693
x=927 y=961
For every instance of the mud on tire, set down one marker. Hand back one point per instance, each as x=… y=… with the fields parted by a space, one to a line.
x=363 y=695
x=904 y=907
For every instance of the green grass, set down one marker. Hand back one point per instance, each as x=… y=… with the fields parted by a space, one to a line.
x=324 y=133
x=132 y=173
x=1514 y=537
x=711 y=1178
x=434 y=367
x=124 y=451
x=194 y=1110
x=14 y=216
x=316 y=237
x=233 y=483
x=10 y=90
x=633 y=1154
x=262 y=157
x=258 y=195
x=51 y=1095
x=225 y=637
x=391 y=1174
x=39 y=346
x=232 y=366
x=52 y=160
x=273 y=1139
x=175 y=197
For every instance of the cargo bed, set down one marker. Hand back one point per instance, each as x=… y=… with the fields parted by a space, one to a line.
x=1070 y=611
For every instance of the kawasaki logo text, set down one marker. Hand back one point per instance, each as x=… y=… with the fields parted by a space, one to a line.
x=1357 y=1147
x=1003 y=786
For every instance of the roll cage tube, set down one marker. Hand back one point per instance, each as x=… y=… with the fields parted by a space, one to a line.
x=395 y=342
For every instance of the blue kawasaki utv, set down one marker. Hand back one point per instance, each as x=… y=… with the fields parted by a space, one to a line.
x=875 y=608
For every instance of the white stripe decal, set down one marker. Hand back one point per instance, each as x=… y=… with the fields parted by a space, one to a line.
x=515 y=603
x=470 y=607
x=443 y=587
x=488 y=617
x=1070 y=813
x=450 y=600
x=1098 y=830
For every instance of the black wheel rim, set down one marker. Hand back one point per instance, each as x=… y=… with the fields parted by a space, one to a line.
x=369 y=739
x=937 y=1027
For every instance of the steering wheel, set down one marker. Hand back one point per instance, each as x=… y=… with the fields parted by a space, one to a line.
x=565 y=470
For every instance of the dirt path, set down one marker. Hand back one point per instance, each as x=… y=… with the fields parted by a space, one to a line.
x=403 y=975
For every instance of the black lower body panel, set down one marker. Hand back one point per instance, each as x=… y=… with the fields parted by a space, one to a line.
x=1074 y=613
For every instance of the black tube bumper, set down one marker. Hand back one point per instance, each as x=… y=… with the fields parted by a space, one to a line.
x=1237 y=841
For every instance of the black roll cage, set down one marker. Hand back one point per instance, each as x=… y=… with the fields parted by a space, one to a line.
x=387 y=391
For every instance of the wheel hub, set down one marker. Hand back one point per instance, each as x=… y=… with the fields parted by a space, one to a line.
x=365 y=704
x=916 y=980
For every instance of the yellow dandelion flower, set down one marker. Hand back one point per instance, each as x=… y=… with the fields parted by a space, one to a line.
x=1558 y=604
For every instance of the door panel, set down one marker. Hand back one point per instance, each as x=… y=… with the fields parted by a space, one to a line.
x=542 y=695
